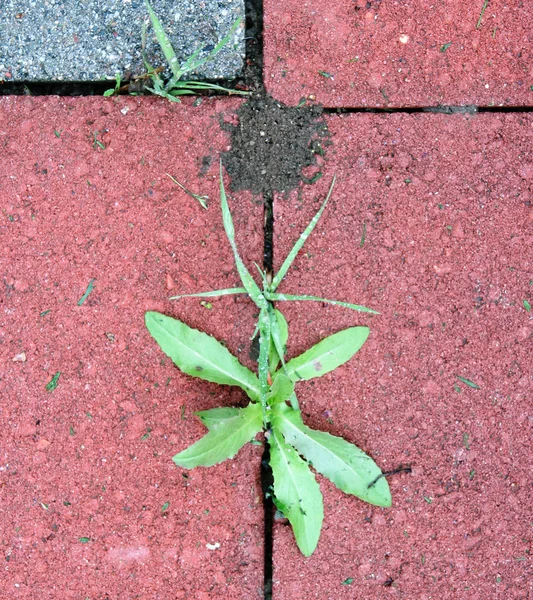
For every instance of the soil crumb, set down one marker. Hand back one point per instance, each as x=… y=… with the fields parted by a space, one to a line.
x=272 y=144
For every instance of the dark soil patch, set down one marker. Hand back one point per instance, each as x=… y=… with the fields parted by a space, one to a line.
x=272 y=144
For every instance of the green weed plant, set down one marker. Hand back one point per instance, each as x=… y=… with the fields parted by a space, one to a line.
x=273 y=408
x=176 y=86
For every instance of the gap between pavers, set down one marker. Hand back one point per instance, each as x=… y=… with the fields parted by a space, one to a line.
x=431 y=224
x=96 y=39
x=91 y=503
x=398 y=54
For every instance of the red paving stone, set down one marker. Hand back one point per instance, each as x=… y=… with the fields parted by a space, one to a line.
x=350 y=53
x=445 y=207
x=85 y=470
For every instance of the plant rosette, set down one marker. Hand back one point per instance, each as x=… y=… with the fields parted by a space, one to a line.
x=273 y=407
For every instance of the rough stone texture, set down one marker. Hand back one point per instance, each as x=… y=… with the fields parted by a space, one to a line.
x=86 y=470
x=95 y=39
x=431 y=223
x=394 y=54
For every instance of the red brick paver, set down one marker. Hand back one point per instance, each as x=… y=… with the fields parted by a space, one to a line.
x=91 y=503
x=350 y=53
x=431 y=223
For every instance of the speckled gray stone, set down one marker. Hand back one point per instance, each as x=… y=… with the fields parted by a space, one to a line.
x=91 y=40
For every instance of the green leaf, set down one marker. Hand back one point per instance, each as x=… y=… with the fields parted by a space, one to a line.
x=223 y=440
x=215 y=416
x=191 y=65
x=348 y=467
x=327 y=355
x=199 y=354
x=52 y=384
x=280 y=335
x=264 y=346
x=469 y=383
x=281 y=297
x=300 y=242
x=247 y=280
x=163 y=40
x=296 y=493
x=281 y=390
x=212 y=294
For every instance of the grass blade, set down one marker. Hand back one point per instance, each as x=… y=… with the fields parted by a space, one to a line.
x=190 y=65
x=467 y=382
x=164 y=42
x=247 y=280
x=264 y=347
x=300 y=242
x=213 y=294
x=283 y=297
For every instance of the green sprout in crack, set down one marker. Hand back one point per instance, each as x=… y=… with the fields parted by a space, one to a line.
x=273 y=407
x=176 y=85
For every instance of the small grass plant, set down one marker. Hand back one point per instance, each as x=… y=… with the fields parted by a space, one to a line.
x=273 y=408
x=176 y=86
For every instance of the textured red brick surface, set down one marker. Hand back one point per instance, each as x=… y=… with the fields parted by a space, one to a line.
x=91 y=505
x=430 y=223
x=348 y=53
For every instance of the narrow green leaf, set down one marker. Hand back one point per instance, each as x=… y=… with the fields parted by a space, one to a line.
x=163 y=40
x=296 y=493
x=213 y=294
x=281 y=297
x=264 y=347
x=191 y=65
x=300 y=242
x=469 y=383
x=200 y=355
x=89 y=289
x=327 y=355
x=52 y=384
x=214 y=416
x=247 y=280
x=224 y=440
x=281 y=390
x=348 y=467
x=280 y=335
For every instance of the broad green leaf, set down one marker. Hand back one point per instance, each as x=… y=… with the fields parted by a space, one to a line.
x=199 y=354
x=300 y=242
x=280 y=335
x=215 y=416
x=348 y=467
x=247 y=280
x=327 y=355
x=296 y=493
x=224 y=440
x=281 y=297
x=281 y=390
